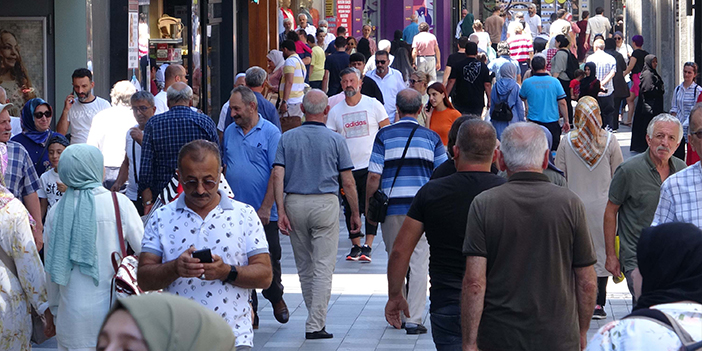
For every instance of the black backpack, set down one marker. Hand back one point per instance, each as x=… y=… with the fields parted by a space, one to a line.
x=573 y=64
x=502 y=112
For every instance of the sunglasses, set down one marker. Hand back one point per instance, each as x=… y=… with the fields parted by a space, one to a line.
x=414 y=81
x=39 y=115
x=193 y=184
x=616 y=38
x=380 y=62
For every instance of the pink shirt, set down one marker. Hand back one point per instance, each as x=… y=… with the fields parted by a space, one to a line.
x=425 y=43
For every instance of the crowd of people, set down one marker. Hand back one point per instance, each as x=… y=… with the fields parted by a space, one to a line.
x=503 y=182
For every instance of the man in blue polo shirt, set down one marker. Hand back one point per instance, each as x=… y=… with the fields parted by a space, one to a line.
x=545 y=100
x=248 y=152
x=424 y=154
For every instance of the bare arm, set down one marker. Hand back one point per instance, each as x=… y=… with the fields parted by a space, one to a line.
x=472 y=300
x=278 y=185
x=155 y=275
x=381 y=124
x=609 y=77
x=398 y=263
x=488 y=91
x=264 y=212
x=62 y=123
x=585 y=293
x=447 y=73
x=632 y=63
x=438 y=56
x=563 y=109
x=414 y=56
x=122 y=176
x=44 y=206
x=257 y=274
x=349 y=185
x=307 y=60
x=610 y=231
x=450 y=84
x=325 y=81
x=31 y=202
x=372 y=185
x=288 y=85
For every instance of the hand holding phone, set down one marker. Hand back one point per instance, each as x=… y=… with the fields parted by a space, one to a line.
x=204 y=255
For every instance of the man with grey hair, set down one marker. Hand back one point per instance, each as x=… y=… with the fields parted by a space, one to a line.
x=143 y=108
x=358 y=118
x=109 y=128
x=309 y=161
x=634 y=193
x=16 y=122
x=420 y=151
x=606 y=67
x=680 y=200
x=308 y=27
x=529 y=281
x=164 y=135
x=287 y=27
x=328 y=37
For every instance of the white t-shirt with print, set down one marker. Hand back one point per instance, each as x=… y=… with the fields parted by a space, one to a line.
x=80 y=116
x=133 y=150
x=233 y=231
x=358 y=124
x=48 y=189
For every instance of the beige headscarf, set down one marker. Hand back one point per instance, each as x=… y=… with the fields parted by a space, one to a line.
x=171 y=323
x=588 y=139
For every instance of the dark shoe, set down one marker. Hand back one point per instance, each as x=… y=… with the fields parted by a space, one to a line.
x=322 y=334
x=419 y=329
x=365 y=254
x=599 y=313
x=280 y=311
x=355 y=253
x=254 y=323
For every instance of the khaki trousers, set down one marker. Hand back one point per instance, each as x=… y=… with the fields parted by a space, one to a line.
x=427 y=64
x=416 y=285
x=315 y=240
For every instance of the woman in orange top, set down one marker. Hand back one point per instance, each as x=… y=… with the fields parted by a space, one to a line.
x=440 y=110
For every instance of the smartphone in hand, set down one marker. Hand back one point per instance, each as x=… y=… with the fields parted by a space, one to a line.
x=205 y=255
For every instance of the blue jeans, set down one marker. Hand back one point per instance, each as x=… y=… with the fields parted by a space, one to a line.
x=446 y=328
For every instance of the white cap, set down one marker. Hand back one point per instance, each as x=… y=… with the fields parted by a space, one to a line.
x=4 y=106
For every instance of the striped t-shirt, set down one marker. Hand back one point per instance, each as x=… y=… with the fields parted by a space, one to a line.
x=425 y=153
x=520 y=46
x=293 y=64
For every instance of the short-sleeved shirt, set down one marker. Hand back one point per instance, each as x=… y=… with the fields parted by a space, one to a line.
x=534 y=23
x=49 y=188
x=161 y=102
x=598 y=24
x=293 y=64
x=605 y=64
x=232 y=231
x=559 y=63
x=318 y=58
x=390 y=85
x=681 y=199
x=455 y=58
x=532 y=233
x=313 y=157
x=249 y=160
x=20 y=177
x=542 y=93
x=425 y=43
x=493 y=25
x=370 y=88
x=335 y=63
x=575 y=85
x=636 y=188
x=495 y=65
x=639 y=55
x=520 y=46
x=80 y=116
x=441 y=199
x=471 y=76
x=425 y=153
x=133 y=151
x=358 y=125
x=265 y=108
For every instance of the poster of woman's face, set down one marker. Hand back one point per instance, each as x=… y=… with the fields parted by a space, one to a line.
x=22 y=59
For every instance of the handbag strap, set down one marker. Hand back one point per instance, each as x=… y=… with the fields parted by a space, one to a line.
x=404 y=153
x=119 y=225
x=136 y=176
x=8 y=262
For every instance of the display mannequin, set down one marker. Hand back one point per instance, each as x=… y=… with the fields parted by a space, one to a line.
x=283 y=13
x=307 y=7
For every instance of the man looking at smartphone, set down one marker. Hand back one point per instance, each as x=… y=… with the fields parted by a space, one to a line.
x=80 y=107
x=205 y=218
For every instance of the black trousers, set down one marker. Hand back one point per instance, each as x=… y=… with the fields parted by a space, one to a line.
x=680 y=152
x=607 y=110
x=617 y=108
x=555 y=130
x=274 y=293
x=566 y=87
x=360 y=176
x=602 y=291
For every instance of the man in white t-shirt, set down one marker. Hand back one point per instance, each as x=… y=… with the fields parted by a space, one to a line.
x=143 y=108
x=533 y=21
x=174 y=73
x=559 y=26
x=425 y=52
x=108 y=129
x=80 y=107
x=358 y=119
x=597 y=25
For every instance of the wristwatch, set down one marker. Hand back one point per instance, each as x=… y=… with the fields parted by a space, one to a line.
x=283 y=102
x=233 y=273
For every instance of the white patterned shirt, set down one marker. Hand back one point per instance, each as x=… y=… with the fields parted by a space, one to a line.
x=681 y=198
x=233 y=231
x=606 y=65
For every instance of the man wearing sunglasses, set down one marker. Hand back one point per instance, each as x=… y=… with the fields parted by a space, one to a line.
x=389 y=81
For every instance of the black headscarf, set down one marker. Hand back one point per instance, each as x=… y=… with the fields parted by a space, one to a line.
x=670 y=262
x=363 y=47
x=651 y=81
x=590 y=86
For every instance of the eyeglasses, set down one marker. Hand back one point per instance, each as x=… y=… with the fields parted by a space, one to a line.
x=140 y=108
x=191 y=185
x=380 y=62
x=45 y=114
x=698 y=134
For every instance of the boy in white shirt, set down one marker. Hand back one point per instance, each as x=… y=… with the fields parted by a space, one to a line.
x=52 y=188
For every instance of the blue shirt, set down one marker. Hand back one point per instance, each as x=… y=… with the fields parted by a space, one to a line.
x=542 y=92
x=267 y=110
x=425 y=153
x=249 y=160
x=20 y=177
x=164 y=135
x=409 y=32
x=335 y=63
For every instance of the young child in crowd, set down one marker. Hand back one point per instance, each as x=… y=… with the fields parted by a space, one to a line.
x=575 y=84
x=52 y=188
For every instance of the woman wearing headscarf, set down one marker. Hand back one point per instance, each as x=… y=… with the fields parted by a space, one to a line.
x=25 y=284
x=590 y=85
x=364 y=47
x=275 y=69
x=164 y=322
x=621 y=88
x=36 y=132
x=506 y=90
x=670 y=263
x=80 y=236
x=650 y=103
x=588 y=157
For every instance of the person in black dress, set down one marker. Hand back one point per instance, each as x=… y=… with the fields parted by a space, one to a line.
x=650 y=103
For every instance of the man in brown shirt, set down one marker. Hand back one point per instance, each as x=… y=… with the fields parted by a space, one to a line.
x=529 y=283
x=493 y=25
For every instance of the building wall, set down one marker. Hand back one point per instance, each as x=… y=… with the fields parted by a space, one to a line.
x=70 y=39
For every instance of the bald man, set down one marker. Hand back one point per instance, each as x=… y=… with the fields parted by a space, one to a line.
x=174 y=73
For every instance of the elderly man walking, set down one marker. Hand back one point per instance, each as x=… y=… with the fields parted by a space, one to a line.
x=606 y=68
x=308 y=164
x=529 y=282
x=404 y=156
x=425 y=52
x=634 y=193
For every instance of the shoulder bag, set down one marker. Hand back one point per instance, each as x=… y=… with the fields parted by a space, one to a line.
x=379 y=202
x=124 y=281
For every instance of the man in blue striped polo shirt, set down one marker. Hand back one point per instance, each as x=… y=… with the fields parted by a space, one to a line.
x=424 y=154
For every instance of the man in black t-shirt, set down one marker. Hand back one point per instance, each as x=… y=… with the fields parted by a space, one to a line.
x=440 y=209
x=472 y=81
x=455 y=58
